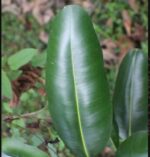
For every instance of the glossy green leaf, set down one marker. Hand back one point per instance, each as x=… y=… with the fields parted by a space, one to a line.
x=6 y=86
x=130 y=96
x=21 y=58
x=134 y=146
x=16 y=148
x=76 y=84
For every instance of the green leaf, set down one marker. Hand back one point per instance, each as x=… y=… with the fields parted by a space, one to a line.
x=134 y=146
x=13 y=147
x=6 y=86
x=37 y=139
x=77 y=89
x=4 y=61
x=39 y=60
x=19 y=122
x=21 y=58
x=130 y=96
x=14 y=74
x=7 y=108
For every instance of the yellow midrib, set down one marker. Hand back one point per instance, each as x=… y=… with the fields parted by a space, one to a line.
x=76 y=101
x=131 y=103
x=78 y=114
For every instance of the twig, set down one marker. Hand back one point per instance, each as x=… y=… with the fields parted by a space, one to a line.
x=26 y=115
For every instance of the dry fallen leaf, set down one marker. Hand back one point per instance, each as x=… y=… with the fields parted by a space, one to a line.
x=15 y=100
x=133 y=4
x=43 y=37
x=42 y=91
x=12 y=8
x=127 y=21
x=42 y=17
x=88 y=5
x=6 y=2
x=24 y=82
x=42 y=12
x=109 y=23
x=27 y=6
x=108 y=48
x=138 y=33
x=125 y=44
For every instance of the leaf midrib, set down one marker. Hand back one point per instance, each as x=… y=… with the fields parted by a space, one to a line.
x=76 y=94
x=131 y=98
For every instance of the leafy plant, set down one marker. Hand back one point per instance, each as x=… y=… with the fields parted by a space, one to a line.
x=12 y=64
x=77 y=74
x=75 y=70
x=130 y=96
x=78 y=93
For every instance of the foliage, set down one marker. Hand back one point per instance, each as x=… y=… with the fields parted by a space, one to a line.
x=15 y=147
x=6 y=85
x=130 y=95
x=21 y=58
x=19 y=32
x=135 y=146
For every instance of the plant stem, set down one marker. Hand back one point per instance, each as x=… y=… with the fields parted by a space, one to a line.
x=26 y=115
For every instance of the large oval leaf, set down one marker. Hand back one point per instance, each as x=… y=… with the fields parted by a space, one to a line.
x=76 y=84
x=17 y=148
x=130 y=97
x=134 y=146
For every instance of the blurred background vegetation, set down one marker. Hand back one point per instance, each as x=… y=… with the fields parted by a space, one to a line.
x=120 y=26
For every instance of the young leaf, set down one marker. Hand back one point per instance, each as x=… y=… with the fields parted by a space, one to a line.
x=13 y=147
x=21 y=58
x=6 y=86
x=39 y=60
x=130 y=96
x=134 y=146
x=77 y=88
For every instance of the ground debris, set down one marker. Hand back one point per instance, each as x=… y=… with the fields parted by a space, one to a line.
x=30 y=75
